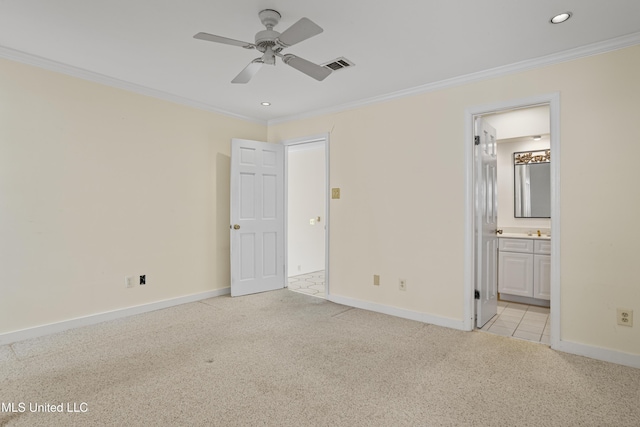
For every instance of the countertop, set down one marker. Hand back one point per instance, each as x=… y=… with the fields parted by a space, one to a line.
x=525 y=236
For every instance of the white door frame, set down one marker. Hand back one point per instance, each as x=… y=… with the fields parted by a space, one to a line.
x=324 y=139
x=553 y=100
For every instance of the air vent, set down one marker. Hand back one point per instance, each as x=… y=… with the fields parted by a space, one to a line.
x=339 y=64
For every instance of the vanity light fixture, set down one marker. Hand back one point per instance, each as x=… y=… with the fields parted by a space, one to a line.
x=560 y=18
x=266 y=104
x=536 y=137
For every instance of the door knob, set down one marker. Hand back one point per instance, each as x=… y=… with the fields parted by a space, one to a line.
x=498 y=231
x=236 y=227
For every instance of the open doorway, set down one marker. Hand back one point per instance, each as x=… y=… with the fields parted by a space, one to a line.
x=526 y=275
x=306 y=189
x=523 y=255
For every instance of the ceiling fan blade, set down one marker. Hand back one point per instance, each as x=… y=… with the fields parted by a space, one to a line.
x=219 y=39
x=248 y=72
x=301 y=30
x=309 y=68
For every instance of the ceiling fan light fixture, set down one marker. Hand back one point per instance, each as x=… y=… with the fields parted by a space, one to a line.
x=560 y=18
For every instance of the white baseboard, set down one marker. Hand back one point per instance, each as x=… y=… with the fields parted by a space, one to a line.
x=52 y=328
x=598 y=353
x=399 y=312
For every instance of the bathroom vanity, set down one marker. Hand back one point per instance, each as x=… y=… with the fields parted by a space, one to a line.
x=524 y=269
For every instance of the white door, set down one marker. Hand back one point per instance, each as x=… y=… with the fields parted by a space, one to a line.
x=486 y=223
x=257 y=217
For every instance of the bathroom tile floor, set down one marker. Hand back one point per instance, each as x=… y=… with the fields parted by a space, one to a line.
x=527 y=322
x=310 y=284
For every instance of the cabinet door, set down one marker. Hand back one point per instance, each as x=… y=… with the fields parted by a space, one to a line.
x=516 y=274
x=542 y=276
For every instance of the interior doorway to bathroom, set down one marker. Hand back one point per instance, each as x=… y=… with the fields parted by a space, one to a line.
x=516 y=124
x=306 y=182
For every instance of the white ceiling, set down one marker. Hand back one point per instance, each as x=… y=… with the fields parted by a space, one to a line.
x=396 y=45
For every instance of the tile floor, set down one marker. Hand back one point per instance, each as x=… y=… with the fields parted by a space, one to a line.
x=310 y=284
x=527 y=322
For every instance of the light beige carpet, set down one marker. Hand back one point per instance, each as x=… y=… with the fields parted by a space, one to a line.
x=286 y=359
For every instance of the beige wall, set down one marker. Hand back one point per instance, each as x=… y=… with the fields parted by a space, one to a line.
x=400 y=167
x=97 y=184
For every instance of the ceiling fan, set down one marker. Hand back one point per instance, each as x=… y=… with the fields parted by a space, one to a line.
x=271 y=43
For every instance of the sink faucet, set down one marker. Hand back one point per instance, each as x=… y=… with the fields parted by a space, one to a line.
x=539 y=233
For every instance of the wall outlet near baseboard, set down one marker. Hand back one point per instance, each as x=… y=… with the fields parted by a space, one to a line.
x=376 y=280
x=143 y=279
x=625 y=317
x=402 y=285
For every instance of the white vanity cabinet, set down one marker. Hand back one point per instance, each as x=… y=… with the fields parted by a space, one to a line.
x=524 y=268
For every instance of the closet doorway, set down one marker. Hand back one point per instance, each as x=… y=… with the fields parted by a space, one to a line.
x=307 y=214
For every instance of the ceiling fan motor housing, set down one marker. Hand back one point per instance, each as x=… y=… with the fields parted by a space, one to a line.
x=267 y=38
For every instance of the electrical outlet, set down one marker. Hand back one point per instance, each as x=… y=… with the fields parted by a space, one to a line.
x=376 y=280
x=143 y=279
x=402 y=285
x=128 y=282
x=335 y=193
x=625 y=317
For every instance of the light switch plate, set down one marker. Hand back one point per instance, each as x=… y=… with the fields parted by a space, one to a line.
x=335 y=193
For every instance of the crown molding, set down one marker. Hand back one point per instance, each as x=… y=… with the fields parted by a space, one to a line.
x=48 y=64
x=556 y=58
x=517 y=67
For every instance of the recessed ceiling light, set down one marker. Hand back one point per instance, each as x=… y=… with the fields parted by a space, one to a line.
x=537 y=138
x=560 y=18
x=266 y=104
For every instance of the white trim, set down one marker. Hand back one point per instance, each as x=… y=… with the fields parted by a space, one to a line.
x=300 y=144
x=310 y=146
x=553 y=100
x=599 y=353
x=48 y=64
x=554 y=118
x=52 y=328
x=306 y=139
x=399 y=312
x=530 y=64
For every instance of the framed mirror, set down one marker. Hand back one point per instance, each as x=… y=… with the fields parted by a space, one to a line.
x=532 y=184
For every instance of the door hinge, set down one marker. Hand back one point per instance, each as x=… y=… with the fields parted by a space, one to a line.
x=476 y=294
x=477 y=140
